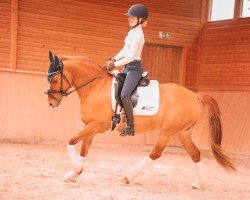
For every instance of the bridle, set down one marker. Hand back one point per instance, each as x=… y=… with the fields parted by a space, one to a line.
x=61 y=90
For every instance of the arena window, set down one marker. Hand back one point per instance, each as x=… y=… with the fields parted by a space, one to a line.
x=222 y=10
x=245 y=8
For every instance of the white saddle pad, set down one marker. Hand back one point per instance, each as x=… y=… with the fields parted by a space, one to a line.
x=148 y=100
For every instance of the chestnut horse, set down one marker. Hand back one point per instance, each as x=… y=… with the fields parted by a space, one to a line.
x=179 y=111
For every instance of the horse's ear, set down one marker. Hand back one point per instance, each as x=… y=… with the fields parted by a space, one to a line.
x=51 y=58
x=56 y=61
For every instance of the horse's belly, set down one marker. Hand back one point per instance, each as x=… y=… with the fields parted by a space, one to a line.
x=145 y=124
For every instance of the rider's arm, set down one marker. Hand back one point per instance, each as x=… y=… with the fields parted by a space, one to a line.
x=121 y=54
x=129 y=54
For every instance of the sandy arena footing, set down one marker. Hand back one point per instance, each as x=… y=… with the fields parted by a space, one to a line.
x=36 y=172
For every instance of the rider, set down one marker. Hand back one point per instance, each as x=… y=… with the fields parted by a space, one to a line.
x=130 y=56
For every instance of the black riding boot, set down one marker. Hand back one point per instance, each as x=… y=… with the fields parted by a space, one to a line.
x=128 y=108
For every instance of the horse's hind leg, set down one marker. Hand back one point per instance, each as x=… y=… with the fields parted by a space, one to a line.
x=156 y=153
x=193 y=151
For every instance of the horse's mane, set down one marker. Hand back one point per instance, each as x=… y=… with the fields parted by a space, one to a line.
x=81 y=59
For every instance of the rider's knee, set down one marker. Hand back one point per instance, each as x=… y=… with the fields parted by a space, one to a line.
x=125 y=97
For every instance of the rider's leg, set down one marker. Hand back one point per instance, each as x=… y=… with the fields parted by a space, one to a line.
x=132 y=79
x=128 y=108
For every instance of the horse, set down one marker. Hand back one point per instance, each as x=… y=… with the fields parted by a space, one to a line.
x=179 y=111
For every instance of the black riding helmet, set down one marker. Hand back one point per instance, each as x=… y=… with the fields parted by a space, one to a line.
x=139 y=11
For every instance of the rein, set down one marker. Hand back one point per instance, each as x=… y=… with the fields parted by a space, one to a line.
x=65 y=92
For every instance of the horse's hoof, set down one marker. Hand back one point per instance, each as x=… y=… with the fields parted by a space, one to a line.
x=72 y=176
x=198 y=186
x=125 y=180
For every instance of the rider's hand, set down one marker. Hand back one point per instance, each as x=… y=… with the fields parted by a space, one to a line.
x=110 y=64
x=111 y=60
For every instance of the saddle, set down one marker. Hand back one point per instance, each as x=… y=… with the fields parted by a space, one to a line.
x=120 y=79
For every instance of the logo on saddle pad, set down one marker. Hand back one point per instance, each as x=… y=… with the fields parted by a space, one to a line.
x=147 y=108
x=145 y=99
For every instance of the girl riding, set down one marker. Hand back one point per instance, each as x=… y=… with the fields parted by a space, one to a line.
x=130 y=56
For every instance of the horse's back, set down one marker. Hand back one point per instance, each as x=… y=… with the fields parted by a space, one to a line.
x=176 y=91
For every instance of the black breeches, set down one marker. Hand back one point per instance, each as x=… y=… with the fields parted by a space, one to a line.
x=134 y=72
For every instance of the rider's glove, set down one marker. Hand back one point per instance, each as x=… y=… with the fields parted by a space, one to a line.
x=110 y=64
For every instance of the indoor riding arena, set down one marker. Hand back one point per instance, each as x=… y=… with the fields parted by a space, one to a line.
x=196 y=147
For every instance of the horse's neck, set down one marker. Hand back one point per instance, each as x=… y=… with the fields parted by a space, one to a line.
x=79 y=73
x=82 y=73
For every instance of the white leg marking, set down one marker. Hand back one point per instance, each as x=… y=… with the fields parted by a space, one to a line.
x=73 y=158
x=136 y=170
x=200 y=175
x=76 y=162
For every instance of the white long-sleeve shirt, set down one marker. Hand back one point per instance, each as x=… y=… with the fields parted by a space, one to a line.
x=132 y=48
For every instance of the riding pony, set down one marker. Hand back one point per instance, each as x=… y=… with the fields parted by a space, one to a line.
x=179 y=111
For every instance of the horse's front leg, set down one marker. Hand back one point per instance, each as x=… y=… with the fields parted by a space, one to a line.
x=78 y=168
x=77 y=161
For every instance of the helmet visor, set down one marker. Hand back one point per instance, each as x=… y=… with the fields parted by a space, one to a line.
x=129 y=15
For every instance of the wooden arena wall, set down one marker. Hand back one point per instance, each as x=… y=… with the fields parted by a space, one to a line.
x=224 y=56
x=96 y=29
x=224 y=73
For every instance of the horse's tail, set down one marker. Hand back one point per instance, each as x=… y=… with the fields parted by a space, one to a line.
x=216 y=132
